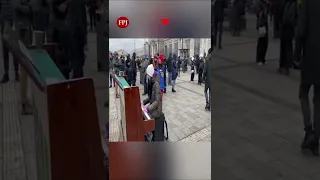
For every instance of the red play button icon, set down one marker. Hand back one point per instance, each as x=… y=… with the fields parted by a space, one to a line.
x=165 y=21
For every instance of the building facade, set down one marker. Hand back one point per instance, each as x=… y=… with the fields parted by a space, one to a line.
x=183 y=47
x=186 y=47
x=154 y=46
x=205 y=45
x=121 y=52
x=140 y=51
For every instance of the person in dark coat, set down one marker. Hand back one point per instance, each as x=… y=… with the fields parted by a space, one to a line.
x=77 y=26
x=207 y=76
x=287 y=33
x=192 y=70
x=7 y=15
x=111 y=72
x=239 y=10
x=144 y=75
x=23 y=23
x=128 y=72
x=179 y=63
x=133 y=69
x=308 y=34
x=262 y=27
x=169 y=69
x=174 y=71
x=117 y=67
x=277 y=6
x=41 y=14
x=218 y=9
x=165 y=74
x=197 y=63
x=201 y=68
x=154 y=100
x=92 y=7
x=122 y=64
x=60 y=35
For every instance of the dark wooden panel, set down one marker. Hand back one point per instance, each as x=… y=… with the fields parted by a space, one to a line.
x=128 y=161
x=75 y=141
x=149 y=125
x=136 y=126
x=131 y=125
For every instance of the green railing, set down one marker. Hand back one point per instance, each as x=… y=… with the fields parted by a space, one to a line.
x=121 y=81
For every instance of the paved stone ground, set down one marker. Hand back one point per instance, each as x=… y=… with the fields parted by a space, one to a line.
x=257 y=125
x=17 y=145
x=184 y=110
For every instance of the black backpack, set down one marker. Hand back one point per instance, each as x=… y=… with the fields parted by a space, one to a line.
x=201 y=66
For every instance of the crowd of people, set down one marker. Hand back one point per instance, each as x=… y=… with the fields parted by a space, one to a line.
x=169 y=67
x=156 y=74
x=284 y=14
x=294 y=22
x=61 y=21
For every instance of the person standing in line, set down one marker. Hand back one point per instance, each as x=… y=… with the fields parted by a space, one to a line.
x=169 y=69
x=60 y=35
x=201 y=67
x=133 y=69
x=218 y=7
x=111 y=71
x=277 y=6
x=270 y=10
x=174 y=71
x=239 y=7
x=23 y=22
x=160 y=71
x=122 y=64
x=144 y=75
x=207 y=76
x=308 y=34
x=92 y=7
x=6 y=20
x=179 y=63
x=262 y=27
x=41 y=15
x=165 y=73
x=117 y=66
x=287 y=33
x=192 y=70
x=77 y=26
x=128 y=69
x=197 y=63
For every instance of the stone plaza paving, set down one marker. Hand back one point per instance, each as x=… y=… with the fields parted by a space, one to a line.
x=257 y=124
x=184 y=111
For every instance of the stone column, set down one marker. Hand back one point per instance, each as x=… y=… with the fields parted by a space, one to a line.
x=192 y=47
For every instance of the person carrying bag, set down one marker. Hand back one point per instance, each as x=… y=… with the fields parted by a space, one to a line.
x=262 y=28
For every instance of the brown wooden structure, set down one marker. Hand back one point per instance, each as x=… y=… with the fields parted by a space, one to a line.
x=135 y=122
x=68 y=140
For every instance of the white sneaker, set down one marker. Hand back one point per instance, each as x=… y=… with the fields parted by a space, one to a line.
x=260 y=64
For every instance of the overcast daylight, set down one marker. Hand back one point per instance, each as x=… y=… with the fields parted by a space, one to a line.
x=127 y=45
